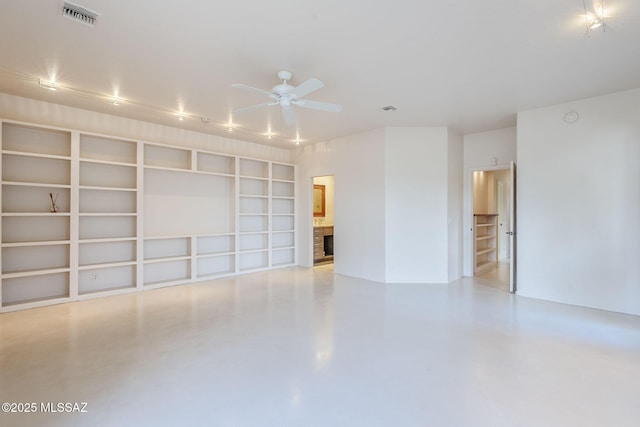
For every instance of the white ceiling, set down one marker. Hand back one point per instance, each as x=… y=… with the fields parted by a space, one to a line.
x=468 y=64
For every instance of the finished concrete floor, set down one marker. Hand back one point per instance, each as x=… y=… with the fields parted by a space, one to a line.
x=307 y=347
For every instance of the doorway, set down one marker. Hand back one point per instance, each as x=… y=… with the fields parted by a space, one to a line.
x=323 y=215
x=492 y=226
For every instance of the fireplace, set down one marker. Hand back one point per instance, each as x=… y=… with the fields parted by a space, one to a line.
x=322 y=244
x=328 y=245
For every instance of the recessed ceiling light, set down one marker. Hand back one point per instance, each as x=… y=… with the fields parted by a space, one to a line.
x=205 y=120
x=44 y=84
x=596 y=18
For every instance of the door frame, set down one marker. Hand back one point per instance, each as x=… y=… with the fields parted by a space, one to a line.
x=311 y=219
x=467 y=214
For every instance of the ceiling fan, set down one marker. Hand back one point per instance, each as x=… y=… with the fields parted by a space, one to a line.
x=287 y=96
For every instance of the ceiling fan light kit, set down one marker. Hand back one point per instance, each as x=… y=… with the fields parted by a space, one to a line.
x=595 y=19
x=287 y=96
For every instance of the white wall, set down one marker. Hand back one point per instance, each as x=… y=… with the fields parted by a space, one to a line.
x=46 y=113
x=311 y=160
x=416 y=204
x=357 y=163
x=455 y=192
x=480 y=150
x=579 y=203
x=359 y=238
x=396 y=215
x=185 y=203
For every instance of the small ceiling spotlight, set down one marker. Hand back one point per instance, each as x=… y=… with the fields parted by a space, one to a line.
x=205 y=120
x=180 y=117
x=116 y=101
x=44 y=84
x=594 y=19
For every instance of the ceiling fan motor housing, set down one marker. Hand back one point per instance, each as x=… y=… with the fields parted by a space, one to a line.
x=286 y=95
x=285 y=75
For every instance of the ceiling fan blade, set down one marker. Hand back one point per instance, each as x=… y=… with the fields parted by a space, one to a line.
x=254 y=107
x=307 y=87
x=289 y=116
x=324 y=106
x=252 y=89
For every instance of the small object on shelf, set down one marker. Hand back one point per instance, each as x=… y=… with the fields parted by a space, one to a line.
x=54 y=207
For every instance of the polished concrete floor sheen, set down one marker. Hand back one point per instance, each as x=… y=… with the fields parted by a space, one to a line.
x=305 y=347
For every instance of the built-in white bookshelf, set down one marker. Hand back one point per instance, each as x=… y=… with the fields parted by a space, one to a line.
x=36 y=238
x=167 y=261
x=167 y=157
x=215 y=164
x=107 y=214
x=253 y=215
x=216 y=256
x=282 y=215
x=132 y=215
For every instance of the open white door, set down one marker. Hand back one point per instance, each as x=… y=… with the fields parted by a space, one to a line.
x=512 y=232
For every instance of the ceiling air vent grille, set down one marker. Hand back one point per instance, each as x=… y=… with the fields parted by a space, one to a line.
x=79 y=14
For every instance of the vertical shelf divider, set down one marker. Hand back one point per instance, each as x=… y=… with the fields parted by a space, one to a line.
x=236 y=233
x=140 y=215
x=193 y=252
x=194 y=160
x=1 y=210
x=74 y=231
x=270 y=215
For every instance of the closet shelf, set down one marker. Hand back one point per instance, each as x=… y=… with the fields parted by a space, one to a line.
x=485 y=251
x=485 y=241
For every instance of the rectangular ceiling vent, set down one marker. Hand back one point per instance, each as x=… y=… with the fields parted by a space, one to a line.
x=79 y=14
